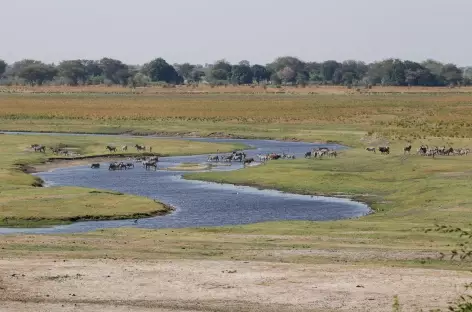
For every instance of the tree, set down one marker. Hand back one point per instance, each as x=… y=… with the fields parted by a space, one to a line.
x=185 y=70
x=275 y=79
x=114 y=70
x=328 y=69
x=37 y=73
x=241 y=74
x=260 y=73
x=281 y=63
x=221 y=70
x=301 y=79
x=467 y=75
x=92 y=68
x=18 y=66
x=337 y=77
x=452 y=74
x=219 y=74
x=159 y=70
x=353 y=70
x=140 y=80
x=245 y=63
x=287 y=75
x=3 y=67
x=435 y=68
x=196 y=75
x=389 y=72
x=314 y=71
x=73 y=70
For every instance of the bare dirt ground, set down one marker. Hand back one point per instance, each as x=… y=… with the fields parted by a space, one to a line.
x=202 y=285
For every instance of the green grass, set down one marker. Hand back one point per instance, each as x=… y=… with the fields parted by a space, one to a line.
x=24 y=204
x=408 y=194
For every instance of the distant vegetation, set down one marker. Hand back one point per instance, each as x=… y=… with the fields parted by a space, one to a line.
x=282 y=71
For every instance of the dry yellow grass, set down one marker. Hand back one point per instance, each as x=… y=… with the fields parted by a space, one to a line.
x=244 y=89
x=406 y=116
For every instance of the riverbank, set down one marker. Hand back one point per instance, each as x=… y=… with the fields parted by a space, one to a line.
x=24 y=203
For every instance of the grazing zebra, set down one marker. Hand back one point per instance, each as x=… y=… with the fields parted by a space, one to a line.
x=40 y=148
x=288 y=156
x=332 y=154
x=384 y=150
x=407 y=149
x=140 y=147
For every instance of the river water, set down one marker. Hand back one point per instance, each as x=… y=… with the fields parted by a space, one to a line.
x=196 y=203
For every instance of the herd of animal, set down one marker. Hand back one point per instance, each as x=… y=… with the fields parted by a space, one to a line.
x=124 y=148
x=55 y=150
x=234 y=156
x=241 y=157
x=147 y=162
x=320 y=152
x=425 y=150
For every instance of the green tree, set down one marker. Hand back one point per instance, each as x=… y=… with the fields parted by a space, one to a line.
x=451 y=74
x=140 y=80
x=302 y=78
x=435 y=68
x=159 y=70
x=185 y=70
x=328 y=69
x=337 y=76
x=37 y=73
x=73 y=70
x=196 y=75
x=291 y=62
x=92 y=68
x=260 y=73
x=114 y=70
x=221 y=70
x=314 y=71
x=220 y=74
x=3 y=67
x=275 y=79
x=241 y=74
x=353 y=71
x=467 y=75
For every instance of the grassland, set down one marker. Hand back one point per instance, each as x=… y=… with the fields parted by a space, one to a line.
x=23 y=203
x=408 y=193
x=284 y=116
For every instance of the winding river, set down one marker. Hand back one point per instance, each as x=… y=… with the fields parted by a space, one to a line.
x=200 y=204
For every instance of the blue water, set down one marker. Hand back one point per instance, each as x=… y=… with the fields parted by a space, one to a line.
x=200 y=204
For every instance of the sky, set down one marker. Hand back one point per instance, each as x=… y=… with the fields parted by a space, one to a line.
x=203 y=31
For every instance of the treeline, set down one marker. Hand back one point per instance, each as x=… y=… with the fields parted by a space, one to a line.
x=282 y=71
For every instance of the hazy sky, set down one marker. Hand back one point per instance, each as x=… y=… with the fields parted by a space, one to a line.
x=200 y=31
